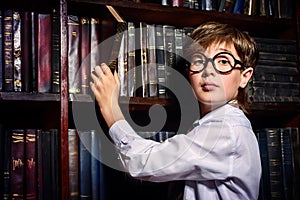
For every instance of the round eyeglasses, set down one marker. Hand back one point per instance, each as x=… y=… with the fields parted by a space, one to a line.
x=223 y=62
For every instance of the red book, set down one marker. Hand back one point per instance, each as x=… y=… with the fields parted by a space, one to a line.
x=17 y=163
x=44 y=68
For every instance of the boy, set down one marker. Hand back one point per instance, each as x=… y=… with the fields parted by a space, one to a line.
x=219 y=158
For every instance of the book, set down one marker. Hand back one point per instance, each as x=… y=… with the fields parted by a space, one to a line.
x=170 y=59
x=17 y=51
x=30 y=164
x=46 y=172
x=85 y=189
x=34 y=61
x=160 y=61
x=95 y=41
x=95 y=165
x=85 y=53
x=122 y=63
x=73 y=164
x=54 y=164
x=17 y=170
x=131 y=73
x=6 y=164
x=26 y=56
x=276 y=45
x=151 y=57
x=227 y=6
x=287 y=162
x=8 y=69
x=55 y=48
x=2 y=139
x=44 y=64
x=143 y=59
x=239 y=7
x=40 y=146
x=74 y=54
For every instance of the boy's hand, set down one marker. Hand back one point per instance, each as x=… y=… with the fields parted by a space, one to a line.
x=106 y=87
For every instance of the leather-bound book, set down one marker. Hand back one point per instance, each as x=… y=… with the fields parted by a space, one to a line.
x=1 y=50
x=8 y=50
x=44 y=68
x=17 y=51
x=74 y=54
x=30 y=164
x=73 y=164
x=17 y=167
x=85 y=54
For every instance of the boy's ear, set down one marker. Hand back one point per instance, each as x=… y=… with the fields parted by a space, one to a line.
x=245 y=76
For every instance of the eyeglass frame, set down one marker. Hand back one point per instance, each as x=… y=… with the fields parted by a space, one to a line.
x=207 y=60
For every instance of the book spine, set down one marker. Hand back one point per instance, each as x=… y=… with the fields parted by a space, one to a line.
x=54 y=161
x=95 y=40
x=95 y=165
x=287 y=163
x=85 y=190
x=151 y=66
x=26 y=57
x=73 y=164
x=169 y=43
x=55 y=83
x=34 y=53
x=17 y=163
x=160 y=60
x=131 y=74
x=44 y=68
x=74 y=54
x=39 y=163
x=6 y=164
x=295 y=140
x=122 y=63
x=8 y=50
x=17 y=51
x=263 y=149
x=46 y=166
x=85 y=54
x=1 y=50
x=144 y=61
x=30 y=158
x=274 y=161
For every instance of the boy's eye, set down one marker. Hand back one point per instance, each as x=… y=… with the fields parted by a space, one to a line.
x=198 y=62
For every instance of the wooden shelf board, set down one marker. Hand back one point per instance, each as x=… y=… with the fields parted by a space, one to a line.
x=24 y=96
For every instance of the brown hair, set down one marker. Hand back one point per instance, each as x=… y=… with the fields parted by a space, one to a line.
x=214 y=32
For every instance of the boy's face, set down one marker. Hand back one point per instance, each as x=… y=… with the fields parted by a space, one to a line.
x=213 y=88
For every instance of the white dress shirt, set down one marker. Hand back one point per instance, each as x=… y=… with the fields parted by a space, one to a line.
x=218 y=159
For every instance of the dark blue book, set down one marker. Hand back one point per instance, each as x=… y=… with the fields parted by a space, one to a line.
x=95 y=166
x=85 y=190
x=287 y=163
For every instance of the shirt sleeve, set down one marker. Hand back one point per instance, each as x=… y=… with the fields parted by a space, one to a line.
x=205 y=153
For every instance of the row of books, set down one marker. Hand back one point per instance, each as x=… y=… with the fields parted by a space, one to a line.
x=276 y=74
x=280 y=158
x=30 y=51
x=29 y=164
x=274 y=8
x=86 y=172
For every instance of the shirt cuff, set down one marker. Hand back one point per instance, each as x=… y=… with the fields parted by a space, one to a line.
x=120 y=131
